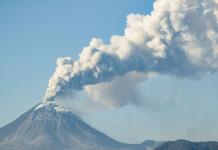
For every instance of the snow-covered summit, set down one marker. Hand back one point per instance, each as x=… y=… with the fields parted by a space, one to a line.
x=51 y=105
x=49 y=126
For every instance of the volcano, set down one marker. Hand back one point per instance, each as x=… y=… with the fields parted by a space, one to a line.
x=48 y=126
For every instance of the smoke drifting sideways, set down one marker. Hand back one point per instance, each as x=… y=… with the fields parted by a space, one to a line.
x=179 y=38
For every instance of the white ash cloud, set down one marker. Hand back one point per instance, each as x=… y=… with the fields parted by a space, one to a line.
x=178 y=38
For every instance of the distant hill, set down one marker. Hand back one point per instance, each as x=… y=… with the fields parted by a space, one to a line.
x=187 y=145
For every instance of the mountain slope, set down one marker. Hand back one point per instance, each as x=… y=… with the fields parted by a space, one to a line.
x=187 y=145
x=49 y=127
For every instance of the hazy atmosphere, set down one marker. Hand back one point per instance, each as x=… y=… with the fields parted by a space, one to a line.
x=133 y=69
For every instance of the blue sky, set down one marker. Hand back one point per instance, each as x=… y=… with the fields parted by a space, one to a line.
x=34 y=33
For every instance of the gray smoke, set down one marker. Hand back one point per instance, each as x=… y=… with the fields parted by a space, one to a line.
x=118 y=92
x=179 y=38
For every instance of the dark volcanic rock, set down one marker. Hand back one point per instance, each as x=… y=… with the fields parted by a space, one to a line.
x=187 y=145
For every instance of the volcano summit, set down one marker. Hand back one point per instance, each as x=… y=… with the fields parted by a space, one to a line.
x=48 y=126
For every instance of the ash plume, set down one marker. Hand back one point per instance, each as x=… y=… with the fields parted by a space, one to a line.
x=179 y=38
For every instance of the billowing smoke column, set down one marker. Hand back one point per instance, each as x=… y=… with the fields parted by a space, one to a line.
x=179 y=38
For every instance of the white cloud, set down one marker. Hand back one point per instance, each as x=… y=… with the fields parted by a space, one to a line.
x=179 y=38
